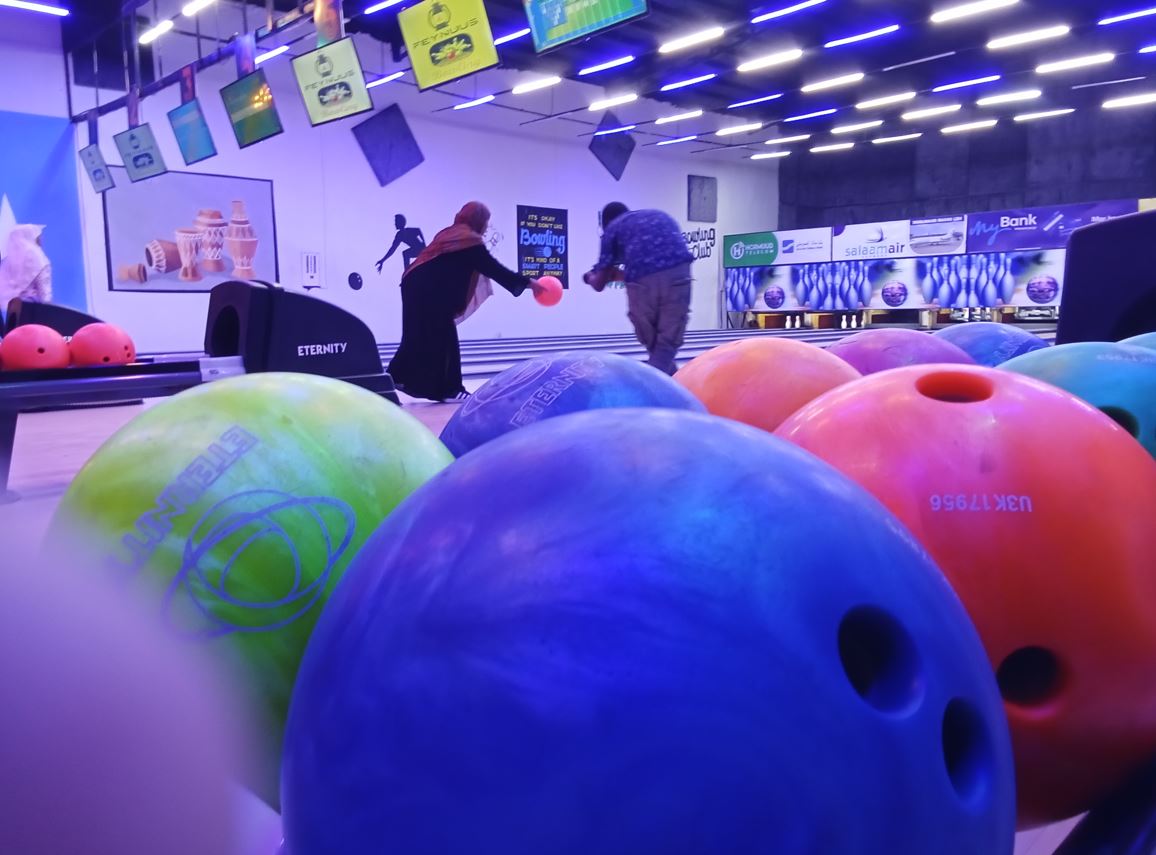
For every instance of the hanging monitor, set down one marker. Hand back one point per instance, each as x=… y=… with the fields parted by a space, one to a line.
x=447 y=40
x=140 y=153
x=96 y=168
x=192 y=132
x=557 y=22
x=331 y=82
x=249 y=103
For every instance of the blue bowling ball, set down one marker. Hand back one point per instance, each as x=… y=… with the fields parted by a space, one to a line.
x=1147 y=340
x=991 y=344
x=556 y=385
x=645 y=631
x=1119 y=379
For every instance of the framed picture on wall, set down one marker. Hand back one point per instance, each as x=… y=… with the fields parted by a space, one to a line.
x=701 y=199
x=189 y=231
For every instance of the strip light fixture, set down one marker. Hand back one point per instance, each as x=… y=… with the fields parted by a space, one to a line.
x=754 y=101
x=191 y=9
x=928 y=112
x=1075 y=62
x=834 y=82
x=1131 y=101
x=769 y=60
x=477 y=102
x=862 y=37
x=1044 y=114
x=1009 y=97
x=967 y=127
x=35 y=7
x=1028 y=37
x=692 y=81
x=964 y=84
x=819 y=149
x=787 y=10
x=785 y=140
x=920 y=61
x=535 y=85
x=678 y=117
x=1127 y=16
x=500 y=40
x=770 y=155
x=895 y=139
x=855 y=128
x=884 y=100
x=606 y=66
x=1115 y=82
x=967 y=10
x=270 y=54
x=679 y=140
x=750 y=127
x=389 y=78
x=701 y=37
x=159 y=29
x=616 y=101
x=815 y=115
x=377 y=7
x=619 y=130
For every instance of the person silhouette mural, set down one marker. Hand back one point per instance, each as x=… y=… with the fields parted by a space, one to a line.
x=413 y=239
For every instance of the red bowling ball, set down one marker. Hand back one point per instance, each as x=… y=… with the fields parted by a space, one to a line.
x=552 y=293
x=1038 y=508
x=33 y=347
x=102 y=344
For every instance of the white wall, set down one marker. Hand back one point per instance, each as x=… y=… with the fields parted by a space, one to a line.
x=328 y=201
x=32 y=74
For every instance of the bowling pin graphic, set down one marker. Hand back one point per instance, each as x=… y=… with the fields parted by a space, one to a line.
x=990 y=293
x=864 y=284
x=1008 y=288
x=943 y=294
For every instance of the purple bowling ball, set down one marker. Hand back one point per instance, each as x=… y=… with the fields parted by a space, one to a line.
x=1043 y=289
x=878 y=350
x=894 y=294
x=775 y=297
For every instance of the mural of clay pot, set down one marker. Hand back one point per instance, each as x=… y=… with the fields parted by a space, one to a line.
x=132 y=273
x=189 y=246
x=162 y=256
x=242 y=251
x=212 y=225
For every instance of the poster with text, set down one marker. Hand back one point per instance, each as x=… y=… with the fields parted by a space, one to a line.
x=447 y=40
x=543 y=238
x=869 y=241
x=189 y=231
x=1039 y=228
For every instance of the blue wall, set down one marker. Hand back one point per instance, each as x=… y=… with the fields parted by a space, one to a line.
x=38 y=175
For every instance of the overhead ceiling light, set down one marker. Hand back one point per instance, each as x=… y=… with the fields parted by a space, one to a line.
x=270 y=54
x=770 y=59
x=35 y=7
x=814 y=115
x=156 y=31
x=788 y=10
x=1127 y=16
x=500 y=40
x=191 y=9
x=754 y=101
x=701 y=37
x=928 y=112
x=1075 y=62
x=967 y=127
x=858 y=126
x=477 y=102
x=535 y=85
x=900 y=138
x=785 y=140
x=1025 y=38
x=616 y=101
x=1010 y=97
x=1131 y=101
x=834 y=82
x=1044 y=114
x=377 y=7
x=1108 y=82
x=770 y=155
x=740 y=129
x=680 y=117
x=606 y=66
x=884 y=100
x=619 y=130
x=389 y=78
x=833 y=147
x=679 y=140
x=964 y=84
x=1148 y=49
x=920 y=61
x=862 y=37
x=966 y=10
x=692 y=81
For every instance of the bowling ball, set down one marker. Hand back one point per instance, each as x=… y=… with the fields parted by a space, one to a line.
x=1118 y=379
x=1043 y=289
x=760 y=381
x=101 y=344
x=991 y=344
x=1146 y=340
x=1039 y=510
x=33 y=346
x=237 y=506
x=775 y=297
x=555 y=385
x=894 y=294
x=877 y=350
x=676 y=635
x=115 y=738
x=552 y=296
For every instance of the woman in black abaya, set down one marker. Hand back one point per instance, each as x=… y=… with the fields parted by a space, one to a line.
x=445 y=284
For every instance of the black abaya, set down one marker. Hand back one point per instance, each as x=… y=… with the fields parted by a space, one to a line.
x=428 y=363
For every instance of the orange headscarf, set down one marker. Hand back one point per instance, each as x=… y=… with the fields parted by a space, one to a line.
x=466 y=232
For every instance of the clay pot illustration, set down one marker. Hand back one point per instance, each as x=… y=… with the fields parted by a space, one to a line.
x=132 y=273
x=212 y=225
x=241 y=241
x=162 y=256
x=189 y=246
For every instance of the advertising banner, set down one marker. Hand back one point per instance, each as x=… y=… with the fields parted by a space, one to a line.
x=543 y=242
x=804 y=246
x=763 y=249
x=331 y=82
x=869 y=241
x=1038 y=228
x=447 y=39
x=939 y=236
